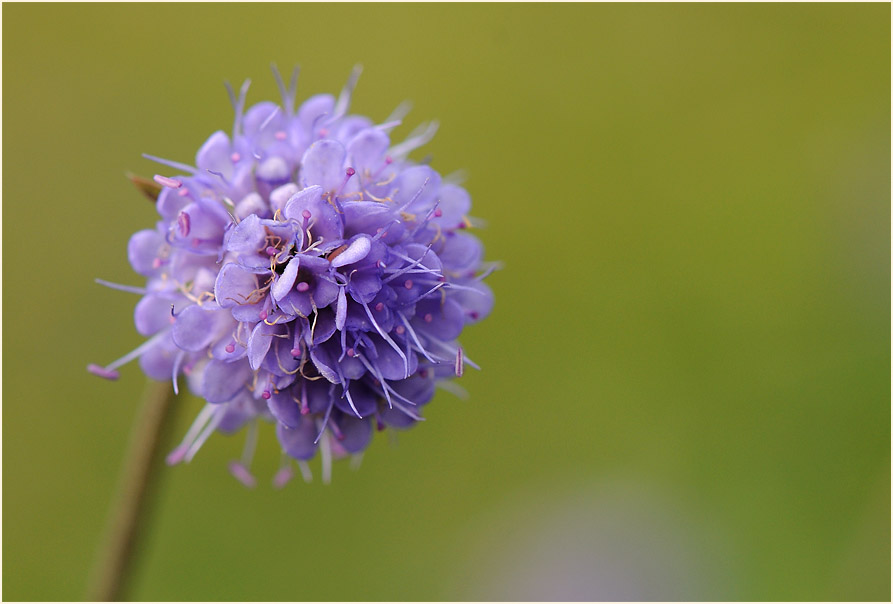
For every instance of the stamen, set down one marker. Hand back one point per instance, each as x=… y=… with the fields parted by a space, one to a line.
x=326 y=451
x=387 y=339
x=242 y=474
x=164 y=181
x=302 y=286
x=408 y=284
x=172 y=164
x=109 y=370
x=305 y=407
x=415 y=338
x=339 y=435
x=379 y=307
x=460 y=362
x=269 y=119
x=343 y=103
x=283 y=476
x=176 y=456
x=109 y=374
x=218 y=412
x=183 y=224
x=124 y=288
x=306 y=474
x=325 y=420
x=176 y=370
x=417 y=138
x=350 y=402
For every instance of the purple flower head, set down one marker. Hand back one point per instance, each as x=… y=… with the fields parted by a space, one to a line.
x=307 y=273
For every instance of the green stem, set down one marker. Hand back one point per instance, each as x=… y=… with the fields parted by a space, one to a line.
x=128 y=516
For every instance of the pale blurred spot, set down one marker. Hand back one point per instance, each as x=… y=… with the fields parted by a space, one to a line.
x=617 y=541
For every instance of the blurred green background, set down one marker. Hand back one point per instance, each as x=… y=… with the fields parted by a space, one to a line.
x=685 y=390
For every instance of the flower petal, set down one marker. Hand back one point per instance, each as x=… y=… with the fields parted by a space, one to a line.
x=144 y=251
x=214 y=155
x=323 y=165
x=355 y=252
x=298 y=442
x=194 y=328
x=221 y=381
x=286 y=280
x=234 y=285
x=285 y=409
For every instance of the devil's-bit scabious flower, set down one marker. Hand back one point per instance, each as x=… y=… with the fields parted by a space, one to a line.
x=306 y=272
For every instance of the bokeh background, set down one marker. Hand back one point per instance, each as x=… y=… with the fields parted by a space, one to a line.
x=686 y=379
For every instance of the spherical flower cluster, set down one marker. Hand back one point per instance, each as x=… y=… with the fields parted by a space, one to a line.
x=306 y=272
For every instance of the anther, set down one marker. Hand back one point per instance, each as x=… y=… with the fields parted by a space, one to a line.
x=177 y=455
x=109 y=374
x=184 y=192
x=282 y=477
x=235 y=157
x=295 y=352
x=230 y=348
x=266 y=394
x=400 y=330
x=164 y=181
x=241 y=473
x=302 y=286
x=408 y=284
x=379 y=307
x=263 y=315
x=306 y=214
x=271 y=251
x=156 y=263
x=474 y=315
x=438 y=212
x=347 y=174
x=281 y=135
x=183 y=224
x=351 y=352
x=428 y=317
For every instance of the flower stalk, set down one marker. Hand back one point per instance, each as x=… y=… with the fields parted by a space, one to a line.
x=130 y=512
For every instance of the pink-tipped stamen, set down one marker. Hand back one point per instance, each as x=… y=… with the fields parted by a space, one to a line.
x=283 y=476
x=242 y=474
x=176 y=456
x=164 y=181
x=108 y=374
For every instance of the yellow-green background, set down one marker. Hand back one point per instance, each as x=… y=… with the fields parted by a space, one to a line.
x=685 y=389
